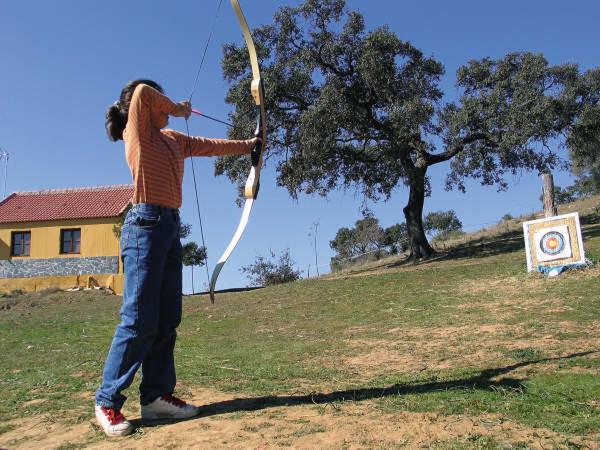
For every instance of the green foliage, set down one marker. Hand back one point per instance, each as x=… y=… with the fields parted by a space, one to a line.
x=193 y=255
x=517 y=104
x=358 y=108
x=269 y=272
x=588 y=185
x=441 y=223
x=584 y=186
x=563 y=196
x=584 y=140
x=375 y=90
x=185 y=230
x=366 y=241
x=506 y=218
x=366 y=236
x=119 y=225
x=396 y=238
x=593 y=257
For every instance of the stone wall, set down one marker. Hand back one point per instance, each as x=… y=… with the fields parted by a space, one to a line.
x=26 y=268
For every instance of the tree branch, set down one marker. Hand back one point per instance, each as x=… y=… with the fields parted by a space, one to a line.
x=459 y=147
x=300 y=103
x=318 y=54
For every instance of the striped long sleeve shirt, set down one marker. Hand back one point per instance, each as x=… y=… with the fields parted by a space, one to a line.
x=156 y=156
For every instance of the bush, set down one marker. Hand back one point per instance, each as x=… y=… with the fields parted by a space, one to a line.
x=440 y=223
x=265 y=272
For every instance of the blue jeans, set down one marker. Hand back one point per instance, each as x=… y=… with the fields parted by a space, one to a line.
x=151 y=311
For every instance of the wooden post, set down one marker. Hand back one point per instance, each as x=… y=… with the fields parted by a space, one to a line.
x=548 y=194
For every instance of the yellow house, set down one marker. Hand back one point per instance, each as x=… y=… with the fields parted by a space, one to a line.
x=62 y=238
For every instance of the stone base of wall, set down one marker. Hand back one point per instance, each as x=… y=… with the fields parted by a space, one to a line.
x=56 y=267
x=36 y=284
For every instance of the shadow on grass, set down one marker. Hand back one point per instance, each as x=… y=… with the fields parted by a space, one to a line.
x=590 y=231
x=483 y=381
x=481 y=248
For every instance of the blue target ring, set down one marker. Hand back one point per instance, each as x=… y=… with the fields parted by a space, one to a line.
x=552 y=243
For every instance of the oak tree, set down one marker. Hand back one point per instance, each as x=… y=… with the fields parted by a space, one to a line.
x=357 y=108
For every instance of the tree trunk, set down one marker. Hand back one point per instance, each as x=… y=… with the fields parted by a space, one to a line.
x=413 y=212
x=193 y=291
x=548 y=195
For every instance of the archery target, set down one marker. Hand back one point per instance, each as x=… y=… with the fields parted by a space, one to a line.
x=553 y=243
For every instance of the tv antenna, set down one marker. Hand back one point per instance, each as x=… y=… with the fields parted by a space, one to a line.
x=4 y=155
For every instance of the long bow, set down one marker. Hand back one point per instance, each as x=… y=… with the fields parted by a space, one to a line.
x=253 y=182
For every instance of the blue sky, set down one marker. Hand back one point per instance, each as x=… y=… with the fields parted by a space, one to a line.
x=64 y=62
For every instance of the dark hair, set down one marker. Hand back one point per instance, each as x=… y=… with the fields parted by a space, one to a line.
x=118 y=113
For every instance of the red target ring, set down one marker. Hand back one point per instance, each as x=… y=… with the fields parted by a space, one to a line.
x=552 y=243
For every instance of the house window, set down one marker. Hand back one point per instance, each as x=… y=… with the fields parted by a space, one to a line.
x=21 y=243
x=70 y=241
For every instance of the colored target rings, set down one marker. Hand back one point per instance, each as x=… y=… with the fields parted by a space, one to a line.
x=552 y=243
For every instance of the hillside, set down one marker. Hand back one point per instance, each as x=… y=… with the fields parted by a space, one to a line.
x=466 y=350
x=503 y=237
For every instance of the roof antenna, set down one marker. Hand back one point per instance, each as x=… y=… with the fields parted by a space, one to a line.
x=4 y=154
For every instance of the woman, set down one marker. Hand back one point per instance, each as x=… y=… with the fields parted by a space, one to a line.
x=151 y=254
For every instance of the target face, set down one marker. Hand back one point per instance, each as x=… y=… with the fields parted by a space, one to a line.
x=552 y=243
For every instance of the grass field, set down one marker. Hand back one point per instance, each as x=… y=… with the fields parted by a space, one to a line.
x=463 y=351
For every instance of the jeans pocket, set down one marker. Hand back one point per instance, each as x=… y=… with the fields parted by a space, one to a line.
x=129 y=217
x=145 y=220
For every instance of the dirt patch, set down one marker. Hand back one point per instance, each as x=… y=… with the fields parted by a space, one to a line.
x=507 y=286
x=415 y=349
x=520 y=286
x=229 y=422
x=378 y=356
x=37 y=401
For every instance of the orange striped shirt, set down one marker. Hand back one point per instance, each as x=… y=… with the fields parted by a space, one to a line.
x=156 y=156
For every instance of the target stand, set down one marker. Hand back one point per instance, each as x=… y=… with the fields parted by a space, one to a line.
x=553 y=243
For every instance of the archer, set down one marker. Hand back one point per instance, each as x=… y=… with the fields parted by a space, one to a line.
x=151 y=253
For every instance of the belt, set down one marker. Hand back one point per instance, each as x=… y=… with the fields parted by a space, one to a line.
x=155 y=208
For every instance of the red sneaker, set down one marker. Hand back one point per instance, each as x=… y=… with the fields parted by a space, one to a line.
x=112 y=421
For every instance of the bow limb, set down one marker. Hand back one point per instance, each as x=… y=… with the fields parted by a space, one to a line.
x=253 y=182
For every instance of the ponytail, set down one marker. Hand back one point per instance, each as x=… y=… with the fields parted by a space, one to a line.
x=115 y=122
x=118 y=113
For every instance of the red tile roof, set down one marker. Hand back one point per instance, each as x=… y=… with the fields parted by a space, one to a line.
x=61 y=204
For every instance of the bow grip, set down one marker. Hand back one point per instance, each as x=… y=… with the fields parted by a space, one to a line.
x=256 y=151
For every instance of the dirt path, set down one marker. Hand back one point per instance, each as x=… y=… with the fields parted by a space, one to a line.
x=230 y=422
